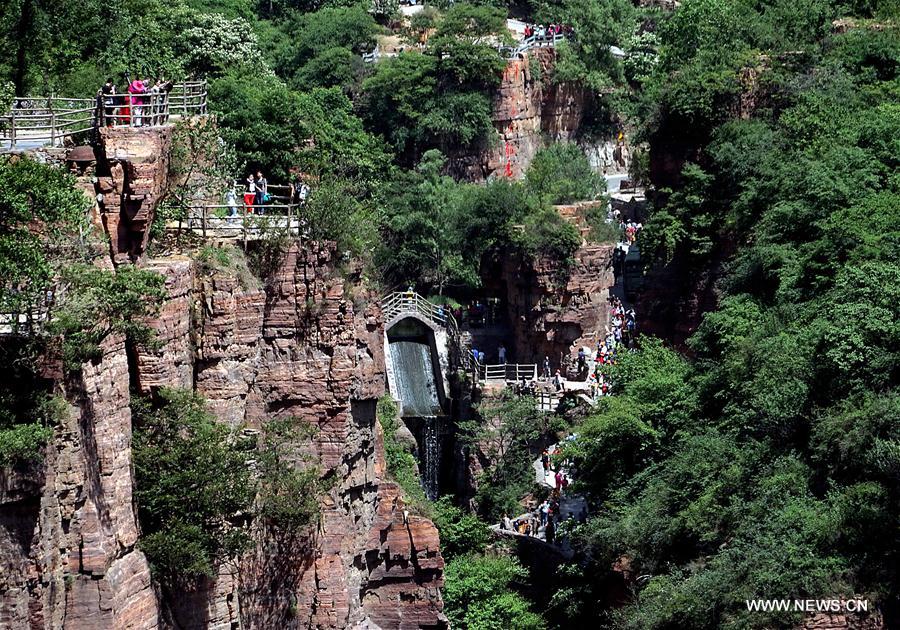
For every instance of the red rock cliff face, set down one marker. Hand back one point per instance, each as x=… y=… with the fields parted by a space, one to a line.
x=133 y=170
x=528 y=111
x=554 y=311
x=301 y=347
x=68 y=529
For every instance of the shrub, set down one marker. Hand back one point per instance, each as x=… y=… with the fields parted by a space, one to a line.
x=289 y=486
x=461 y=533
x=545 y=233
x=401 y=464
x=192 y=487
x=561 y=173
x=23 y=442
x=96 y=303
x=478 y=594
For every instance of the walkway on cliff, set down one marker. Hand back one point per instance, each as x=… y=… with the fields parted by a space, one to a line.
x=37 y=121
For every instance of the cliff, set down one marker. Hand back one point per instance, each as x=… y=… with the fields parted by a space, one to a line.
x=67 y=527
x=306 y=344
x=302 y=347
x=554 y=310
x=528 y=110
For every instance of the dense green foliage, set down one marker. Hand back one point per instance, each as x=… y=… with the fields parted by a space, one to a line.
x=401 y=464
x=506 y=430
x=439 y=98
x=98 y=303
x=561 y=173
x=477 y=595
x=33 y=195
x=198 y=485
x=54 y=300
x=27 y=416
x=193 y=487
x=767 y=466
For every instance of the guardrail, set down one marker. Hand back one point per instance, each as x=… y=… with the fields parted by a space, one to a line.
x=400 y=302
x=547 y=401
x=510 y=372
x=37 y=121
x=511 y=52
x=241 y=222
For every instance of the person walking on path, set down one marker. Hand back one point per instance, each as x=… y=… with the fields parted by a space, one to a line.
x=501 y=353
x=546 y=367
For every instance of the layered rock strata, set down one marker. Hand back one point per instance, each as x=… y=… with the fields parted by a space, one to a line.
x=300 y=347
x=67 y=528
x=133 y=172
x=528 y=110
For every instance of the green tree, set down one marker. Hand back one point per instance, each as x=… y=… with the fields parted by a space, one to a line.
x=479 y=595
x=41 y=214
x=97 y=303
x=561 y=173
x=193 y=487
x=289 y=485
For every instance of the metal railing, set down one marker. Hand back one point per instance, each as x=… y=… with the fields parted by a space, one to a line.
x=135 y=110
x=42 y=120
x=241 y=222
x=410 y=302
x=37 y=121
x=510 y=372
x=511 y=52
x=531 y=42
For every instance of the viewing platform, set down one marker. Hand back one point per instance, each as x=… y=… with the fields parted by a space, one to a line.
x=33 y=122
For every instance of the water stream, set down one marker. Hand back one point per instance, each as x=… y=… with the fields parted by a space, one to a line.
x=415 y=379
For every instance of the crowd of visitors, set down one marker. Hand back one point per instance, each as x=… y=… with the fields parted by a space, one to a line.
x=548 y=32
x=542 y=519
x=619 y=337
x=140 y=103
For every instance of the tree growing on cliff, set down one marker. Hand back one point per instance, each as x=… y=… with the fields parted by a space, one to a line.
x=193 y=487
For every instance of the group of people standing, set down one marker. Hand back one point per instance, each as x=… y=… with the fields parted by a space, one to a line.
x=142 y=102
x=548 y=32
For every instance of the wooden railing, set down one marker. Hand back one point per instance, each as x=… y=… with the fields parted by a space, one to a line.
x=38 y=121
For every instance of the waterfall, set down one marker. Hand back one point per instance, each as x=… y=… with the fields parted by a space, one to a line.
x=431 y=455
x=417 y=389
x=415 y=379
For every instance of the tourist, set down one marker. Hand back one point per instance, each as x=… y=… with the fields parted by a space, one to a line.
x=501 y=354
x=550 y=532
x=582 y=360
x=231 y=202
x=137 y=89
x=262 y=190
x=475 y=354
x=546 y=367
x=545 y=460
x=481 y=357
x=558 y=381
x=250 y=193
x=545 y=511
x=108 y=93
